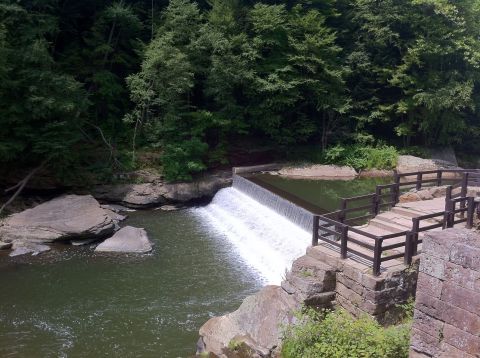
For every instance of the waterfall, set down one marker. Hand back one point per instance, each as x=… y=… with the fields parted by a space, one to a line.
x=287 y=209
x=266 y=232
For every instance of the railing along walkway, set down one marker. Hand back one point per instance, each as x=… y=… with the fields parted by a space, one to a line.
x=395 y=231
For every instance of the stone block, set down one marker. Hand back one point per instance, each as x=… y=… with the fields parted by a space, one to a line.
x=466 y=256
x=372 y=282
x=348 y=306
x=460 y=318
x=461 y=340
x=461 y=297
x=429 y=285
x=427 y=304
x=352 y=296
x=433 y=266
x=388 y=296
x=448 y=351
x=462 y=276
x=427 y=324
x=352 y=273
x=351 y=284
x=309 y=285
x=424 y=343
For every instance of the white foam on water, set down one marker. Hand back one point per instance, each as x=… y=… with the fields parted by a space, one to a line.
x=263 y=239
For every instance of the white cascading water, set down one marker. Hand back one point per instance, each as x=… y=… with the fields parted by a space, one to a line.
x=265 y=240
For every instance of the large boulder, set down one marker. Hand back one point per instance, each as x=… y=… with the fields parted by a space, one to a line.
x=409 y=163
x=127 y=239
x=64 y=218
x=257 y=324
x=319 y=172
x=159 y=192
x=132 y=195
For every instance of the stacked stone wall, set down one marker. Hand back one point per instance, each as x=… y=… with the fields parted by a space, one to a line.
x=447 y=308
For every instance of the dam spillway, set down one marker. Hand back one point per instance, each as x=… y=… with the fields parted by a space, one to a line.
x=266 y=231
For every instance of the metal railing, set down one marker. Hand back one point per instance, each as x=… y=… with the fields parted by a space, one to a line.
x=334 y=228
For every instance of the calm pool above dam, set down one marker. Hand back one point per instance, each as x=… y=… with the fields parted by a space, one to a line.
x=71 y=302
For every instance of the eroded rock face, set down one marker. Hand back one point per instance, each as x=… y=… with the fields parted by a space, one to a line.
x=257 y=324
x=64 y=218
x=409 y=163
x=319 y=172
x=127 y=239
x=159 y=192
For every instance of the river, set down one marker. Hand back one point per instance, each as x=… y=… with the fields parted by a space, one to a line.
x=70 y=302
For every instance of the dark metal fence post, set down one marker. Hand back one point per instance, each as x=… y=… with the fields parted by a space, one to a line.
x=419 y=181
x=407 y=259
x=377 y=256
x=448 y=197
x=451 y=215
x=415 y=230
x=464 y=192
x=396 y=178
x=439 y=177
x=316 y=222
x=343 y=244
x=377 y=200
x=470 y=211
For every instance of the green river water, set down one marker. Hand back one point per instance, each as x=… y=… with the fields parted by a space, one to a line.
x=71 y=302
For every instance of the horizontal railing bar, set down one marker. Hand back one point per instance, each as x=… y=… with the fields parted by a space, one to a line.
x=393 y=246
x=360 y=254
x=418 y=181
x=430 y=216
x=416 y=173
x=459 y=221
x=364 y=233
x=329 y=231
x=360 y=197
x=384 y=186
x=358 y=208
x=361 y=243
x=459 y=200
x=430 y=227
x=394 y=235
x=460 y=210
x=334 y=243
x=392 y=257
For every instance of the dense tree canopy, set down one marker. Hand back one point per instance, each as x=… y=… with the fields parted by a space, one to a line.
x=88 y=84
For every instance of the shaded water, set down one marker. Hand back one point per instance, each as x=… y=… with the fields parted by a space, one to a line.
x=325 y=194
x=73 y=303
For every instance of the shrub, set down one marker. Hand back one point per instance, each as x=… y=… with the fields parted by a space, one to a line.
x=363 y=157
x=183 y=159
x=338 y=334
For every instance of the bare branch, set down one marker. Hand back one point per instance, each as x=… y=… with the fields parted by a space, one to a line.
x=21 y=184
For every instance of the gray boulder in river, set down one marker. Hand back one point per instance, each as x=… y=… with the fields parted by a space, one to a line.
x=127 y=239
x=63 y=218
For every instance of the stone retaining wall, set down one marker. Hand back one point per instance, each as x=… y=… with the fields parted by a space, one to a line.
x=447 y=309
x=359 y=292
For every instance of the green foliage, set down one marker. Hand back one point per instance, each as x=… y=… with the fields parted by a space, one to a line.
x=182 y=159
x=362 y=157
x=338 y=334
x=190 y=79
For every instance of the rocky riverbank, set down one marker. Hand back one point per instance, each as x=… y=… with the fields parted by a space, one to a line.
x=74 y=219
